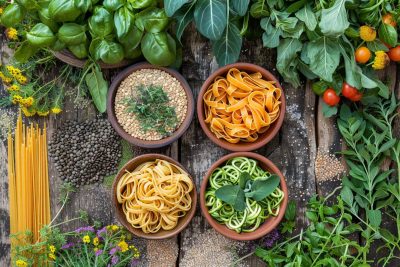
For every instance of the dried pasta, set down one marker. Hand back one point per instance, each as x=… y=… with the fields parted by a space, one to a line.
x=155 y=195
x=240 y=106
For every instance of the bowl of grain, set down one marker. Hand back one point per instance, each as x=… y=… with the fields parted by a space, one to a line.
x=150 y=106
x=241 y=107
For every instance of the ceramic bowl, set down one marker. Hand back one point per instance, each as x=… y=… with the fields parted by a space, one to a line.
x=146 y=143
x=263 y=138
x=162 y=234
x=270 y=224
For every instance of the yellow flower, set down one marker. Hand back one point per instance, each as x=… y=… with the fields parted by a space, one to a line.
x=52 y=249
x=16 y=99
x=21 y=79
x=381 y=60
x=13 y=87
x=123 y=246
x=1 y=10
x=115 y=228
x=12 y=34
x=27 y=102
x=56 y=110
x=86 y=239
x=28 y=112
x=95 y=249
x=136 y=253
x=96 y=241
x=43 y=113
x=52 y=256
x=21 y=263
x=367 y=33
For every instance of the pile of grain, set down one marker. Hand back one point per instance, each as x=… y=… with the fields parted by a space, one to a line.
x=162 y=252
x=146 y=77
x=327 y=167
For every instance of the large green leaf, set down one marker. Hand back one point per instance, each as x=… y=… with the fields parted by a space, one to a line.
x=324 y=55
x=307 y=15
x=261 y=188
x=240 y=6
x=287 y=52
x=172 y=6
x=24 y=52
x=271 y=35
x=183 y=17
x=123 y=21
x=98 y=88
x=227 y=48
x=334 y=20
x=388 y=34
x=233 y=195
x=211 y=18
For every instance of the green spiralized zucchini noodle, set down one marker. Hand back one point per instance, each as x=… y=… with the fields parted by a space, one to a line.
x=256 y=212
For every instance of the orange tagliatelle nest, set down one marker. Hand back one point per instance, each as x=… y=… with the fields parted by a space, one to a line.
x=241 y=106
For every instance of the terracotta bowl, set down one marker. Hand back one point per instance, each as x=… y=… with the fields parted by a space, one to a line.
x=263 y=138
x=264 y=228
x=145 y=143
x=162 y=234
x=67 y=57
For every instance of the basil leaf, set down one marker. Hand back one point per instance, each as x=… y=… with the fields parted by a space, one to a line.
x=63 y=10
x=159 y=48
x=210 y=18
x=123 y=21
x=80 y=50
x=243 y=178
x=40 y=36
x=72 y=34
x=152 y=20
x=334 y=20
x=240 y=6
x=101 y=22
x=183 y=17
x=324 y=57
x=171 y=6
x=44 y=16
x=233 y=195
x=132 y=38
x=140 y=4
x=307 y=15
x=261 y=188
x=113 y=5
x=83 y=5
x=388 y=34
x=12 y=15
x=98 y=88
x=227 y=49
x=110 y=52
x=24 y=52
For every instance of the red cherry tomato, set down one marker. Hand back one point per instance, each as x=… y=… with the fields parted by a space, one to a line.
x=351 y=92
x=388 y=19
x=330 y=97
x=356 y=97
x=394 y=54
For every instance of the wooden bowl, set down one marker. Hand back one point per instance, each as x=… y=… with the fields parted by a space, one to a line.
x=270 y=224
x=67 y=57
x=263 y=138
x=162 y=234
x=145 y=143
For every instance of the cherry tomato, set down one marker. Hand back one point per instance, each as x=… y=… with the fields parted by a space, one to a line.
x=351 y=92
x=394 y=54
x=388 y=19
x=330 y=97
x=362 y=54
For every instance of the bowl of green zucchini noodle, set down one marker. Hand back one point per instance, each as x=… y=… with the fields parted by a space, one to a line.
x=243 y=196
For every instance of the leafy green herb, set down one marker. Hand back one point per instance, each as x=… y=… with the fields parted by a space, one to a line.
x=263 y=187
x=152 y=110
x=233 y=195
x=98 y=87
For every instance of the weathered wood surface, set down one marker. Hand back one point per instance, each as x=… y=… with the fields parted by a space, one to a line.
x=293 y=150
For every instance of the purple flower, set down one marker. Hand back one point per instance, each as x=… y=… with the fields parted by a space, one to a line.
x=68 y=245
x=114 y=250
x=114 y=260
x=270 y=239
x=101 y=231
x=134 y=262
x=98 y=252
x=84 y=229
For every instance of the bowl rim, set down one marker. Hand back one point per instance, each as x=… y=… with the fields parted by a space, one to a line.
x=149 y=143
x=138 y=232
x=264 y=228
x=243 y=146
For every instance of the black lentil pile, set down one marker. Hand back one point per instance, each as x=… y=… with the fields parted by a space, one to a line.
x=85 y=152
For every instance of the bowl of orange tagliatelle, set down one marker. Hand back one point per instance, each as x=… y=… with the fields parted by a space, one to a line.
x=241 y=107
x=154 y=196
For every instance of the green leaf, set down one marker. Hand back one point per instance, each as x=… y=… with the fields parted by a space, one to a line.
x=123 y=21
x=290 y=213
x=12 y=15
x=324 y=55
x=83 y=5
x=271 y=35
x=210 y=18
x=113 y=5
x=240 y=6
x=233 y=195
x=40 y=36
x=374 y=217
x=347 y=196
x=352 y=70
x=261 y=188
x=172 y=6
x=329 y=111
x=159 y=48
x=312 y=216
x=152 y=20
x=287 y=52
x=183 y=17
x=307 y=15
x=259 y=9
x=98 y=88
x=243 y=178
x=388 y=34
x=101 y=22
x=377 y=45
x=24 y=52
x=72 y=34
x=227 y=48
x=334 y=20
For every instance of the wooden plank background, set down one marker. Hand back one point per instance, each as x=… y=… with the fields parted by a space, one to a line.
x=293 y=150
